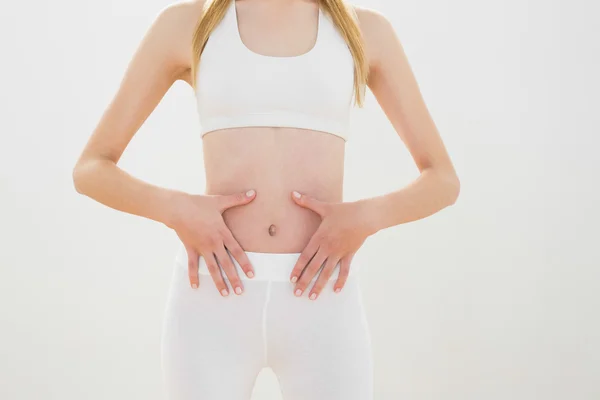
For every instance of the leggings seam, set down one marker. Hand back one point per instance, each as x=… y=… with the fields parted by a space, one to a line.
x=264 y=322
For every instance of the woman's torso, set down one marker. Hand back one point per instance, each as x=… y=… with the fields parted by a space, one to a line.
x=275 y=160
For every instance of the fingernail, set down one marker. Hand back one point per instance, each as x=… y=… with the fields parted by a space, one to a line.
x=298 y=292
x=238 y=290
x=224 y=292
x=250 y=193
x=313 y=296
x=194 y=286
x=250 y=274
x=296 y=194
x=294 y=279
x=338 y=290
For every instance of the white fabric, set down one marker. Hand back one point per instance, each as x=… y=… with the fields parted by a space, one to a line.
x=214 y=347
x=237 y=87
x=265 y=267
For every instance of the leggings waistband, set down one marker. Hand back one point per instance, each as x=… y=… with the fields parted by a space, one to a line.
x=266 y=266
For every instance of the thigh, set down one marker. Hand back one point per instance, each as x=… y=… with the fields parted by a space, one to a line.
x=211 y=346
x=321 y=349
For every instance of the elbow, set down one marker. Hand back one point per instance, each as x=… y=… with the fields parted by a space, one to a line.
x=448 y=185
x=78 y=178
x=452 y=187
x=81 y=174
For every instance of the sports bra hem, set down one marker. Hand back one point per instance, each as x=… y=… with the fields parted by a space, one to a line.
x=283 y=120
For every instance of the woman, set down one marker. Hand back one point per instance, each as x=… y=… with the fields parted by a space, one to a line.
x=275 y=81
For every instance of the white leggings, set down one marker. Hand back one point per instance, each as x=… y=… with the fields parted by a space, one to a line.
x=213 y=347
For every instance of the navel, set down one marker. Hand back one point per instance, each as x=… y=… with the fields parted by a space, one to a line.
x=272 y=230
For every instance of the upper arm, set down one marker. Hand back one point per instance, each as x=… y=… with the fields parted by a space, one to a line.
x=162 y=57
x=394 y=85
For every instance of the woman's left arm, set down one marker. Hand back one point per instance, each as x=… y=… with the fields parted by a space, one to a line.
x=393 y=84
x=346 y=225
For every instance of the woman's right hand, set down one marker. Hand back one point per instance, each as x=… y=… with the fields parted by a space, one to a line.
x=200 y=226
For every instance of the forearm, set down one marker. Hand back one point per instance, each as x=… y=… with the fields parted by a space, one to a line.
x=103 y=181
x=426 y=195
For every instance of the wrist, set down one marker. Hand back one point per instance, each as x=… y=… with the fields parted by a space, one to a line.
x=174 y=205
x=370 y=215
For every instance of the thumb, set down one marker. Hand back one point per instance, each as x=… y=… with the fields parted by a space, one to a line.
x=236 y=199
x=310 y=202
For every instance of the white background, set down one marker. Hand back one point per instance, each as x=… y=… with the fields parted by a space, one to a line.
x=493 y=298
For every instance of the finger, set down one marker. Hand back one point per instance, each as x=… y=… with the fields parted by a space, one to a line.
x=324 y=276
x=193 y=260
x=307 y=254
x=215 y=272
x=344 y=272
x=229 y=269
x=236 y=199
x=310 y=202
x=238 y=253
x=309 y=272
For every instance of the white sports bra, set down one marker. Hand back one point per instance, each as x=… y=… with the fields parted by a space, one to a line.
x=237 y=87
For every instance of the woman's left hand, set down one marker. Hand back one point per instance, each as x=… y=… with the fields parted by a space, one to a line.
x=344 y=228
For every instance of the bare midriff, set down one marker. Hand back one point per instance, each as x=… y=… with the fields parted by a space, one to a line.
x=274 y=161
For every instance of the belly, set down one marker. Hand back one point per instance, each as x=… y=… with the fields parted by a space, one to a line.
x=274 y=162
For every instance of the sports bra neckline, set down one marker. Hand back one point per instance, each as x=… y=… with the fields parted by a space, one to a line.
x=238 y=36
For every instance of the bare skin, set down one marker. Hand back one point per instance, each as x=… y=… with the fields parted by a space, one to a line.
x=273 y=162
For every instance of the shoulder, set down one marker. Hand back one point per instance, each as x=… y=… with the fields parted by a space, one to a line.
x=371 y=20
x=178 y=18
x=181 y=12
x=364 y=12
x=377 y=31
x=173 y=27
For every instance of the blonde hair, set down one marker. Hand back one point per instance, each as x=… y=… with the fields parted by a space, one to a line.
x=343 y=16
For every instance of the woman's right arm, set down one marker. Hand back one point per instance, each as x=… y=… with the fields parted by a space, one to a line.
x=162 y=58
